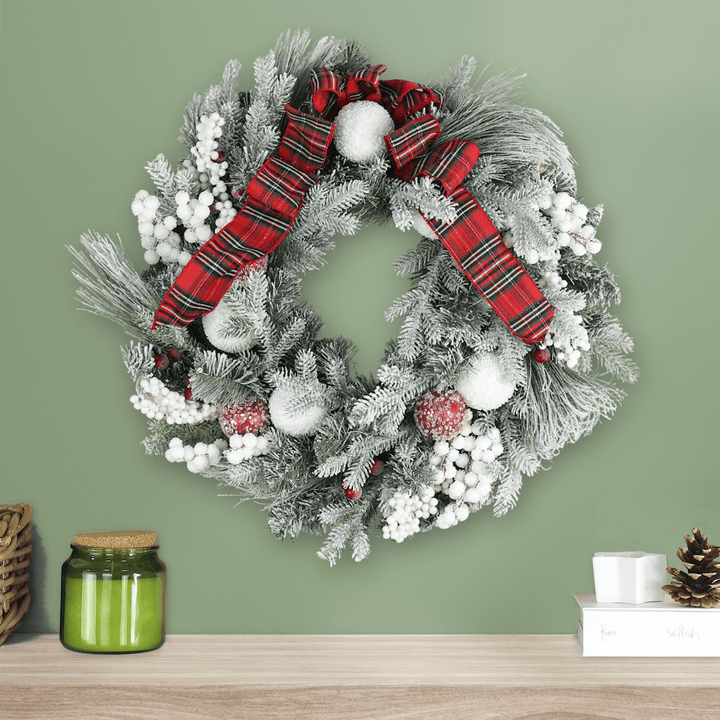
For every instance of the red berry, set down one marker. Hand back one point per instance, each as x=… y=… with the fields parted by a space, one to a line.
x=161 y=362
x=239 y=193
x=250 y=416
x=174 y=353
x=188 y=394
x=187 y=379
x=220 y=157
x=541 y=355
x=440 y=414
x=377 y=467
x=352 y=494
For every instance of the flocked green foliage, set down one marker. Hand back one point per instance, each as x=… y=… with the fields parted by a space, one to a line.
x=301 y=479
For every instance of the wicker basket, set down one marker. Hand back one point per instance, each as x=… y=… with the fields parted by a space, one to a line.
x=15 y=549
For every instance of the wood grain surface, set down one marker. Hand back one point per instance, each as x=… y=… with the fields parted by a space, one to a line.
x=334 y=677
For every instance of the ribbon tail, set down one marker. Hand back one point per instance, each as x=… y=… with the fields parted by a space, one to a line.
x=274 y=198
x=479 y=251
x=211 y=271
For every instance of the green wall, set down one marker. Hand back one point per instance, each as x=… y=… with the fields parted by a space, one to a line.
x=91 y=91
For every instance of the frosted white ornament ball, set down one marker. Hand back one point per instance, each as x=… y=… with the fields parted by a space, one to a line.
x=360 y=128
x=483 y=384
x=297 y=425
x=214 y=324
x=422 y=227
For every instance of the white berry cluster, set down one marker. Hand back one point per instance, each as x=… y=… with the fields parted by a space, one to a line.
x=463 y=471
x=552 y=281
x=212 y=167
x=569 y=216
x=198 y=457
x=157 y=234
x=157 y=402
x=244 y=447
x=193 y=212
x=408 y=510
x=570 y=347
x=530 y=255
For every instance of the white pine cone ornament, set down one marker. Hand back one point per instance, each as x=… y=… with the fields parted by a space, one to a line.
x=483 y=383
x=216 y=324
x=297 y=424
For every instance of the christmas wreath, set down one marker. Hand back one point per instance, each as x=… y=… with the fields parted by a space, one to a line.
x=507 y=344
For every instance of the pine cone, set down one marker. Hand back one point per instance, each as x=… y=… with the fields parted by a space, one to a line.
x=700 y=585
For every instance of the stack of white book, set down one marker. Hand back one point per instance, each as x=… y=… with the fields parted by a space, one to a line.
x=653 y=629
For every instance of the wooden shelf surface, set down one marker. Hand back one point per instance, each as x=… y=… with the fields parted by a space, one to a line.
x=503 y=677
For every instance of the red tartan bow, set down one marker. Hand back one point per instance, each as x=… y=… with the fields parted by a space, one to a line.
x=275 y=196
x=401 y=98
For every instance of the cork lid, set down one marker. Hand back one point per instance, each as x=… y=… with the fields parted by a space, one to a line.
x=117 y=539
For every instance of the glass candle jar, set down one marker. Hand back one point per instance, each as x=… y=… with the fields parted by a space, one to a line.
x=113 y=597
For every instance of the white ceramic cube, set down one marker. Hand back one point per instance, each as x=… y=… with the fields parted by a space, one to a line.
x=629 y=577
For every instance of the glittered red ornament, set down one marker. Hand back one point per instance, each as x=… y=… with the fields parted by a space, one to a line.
x=174 y=353
x=250 y=416
x=162 y=362
x=352 y=494
x=440 y=414
x=542 y=355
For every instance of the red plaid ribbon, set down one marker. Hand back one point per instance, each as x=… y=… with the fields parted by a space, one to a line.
x=276 y=194
x=472 y=240
x=274 y=198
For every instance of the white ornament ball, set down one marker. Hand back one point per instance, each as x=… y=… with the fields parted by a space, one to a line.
x=360 y=128
x=483 y=384
x=297 y=425
x=420 y=224
x=215 y=324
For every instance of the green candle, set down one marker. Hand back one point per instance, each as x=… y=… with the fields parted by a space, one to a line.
x=113 y=598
